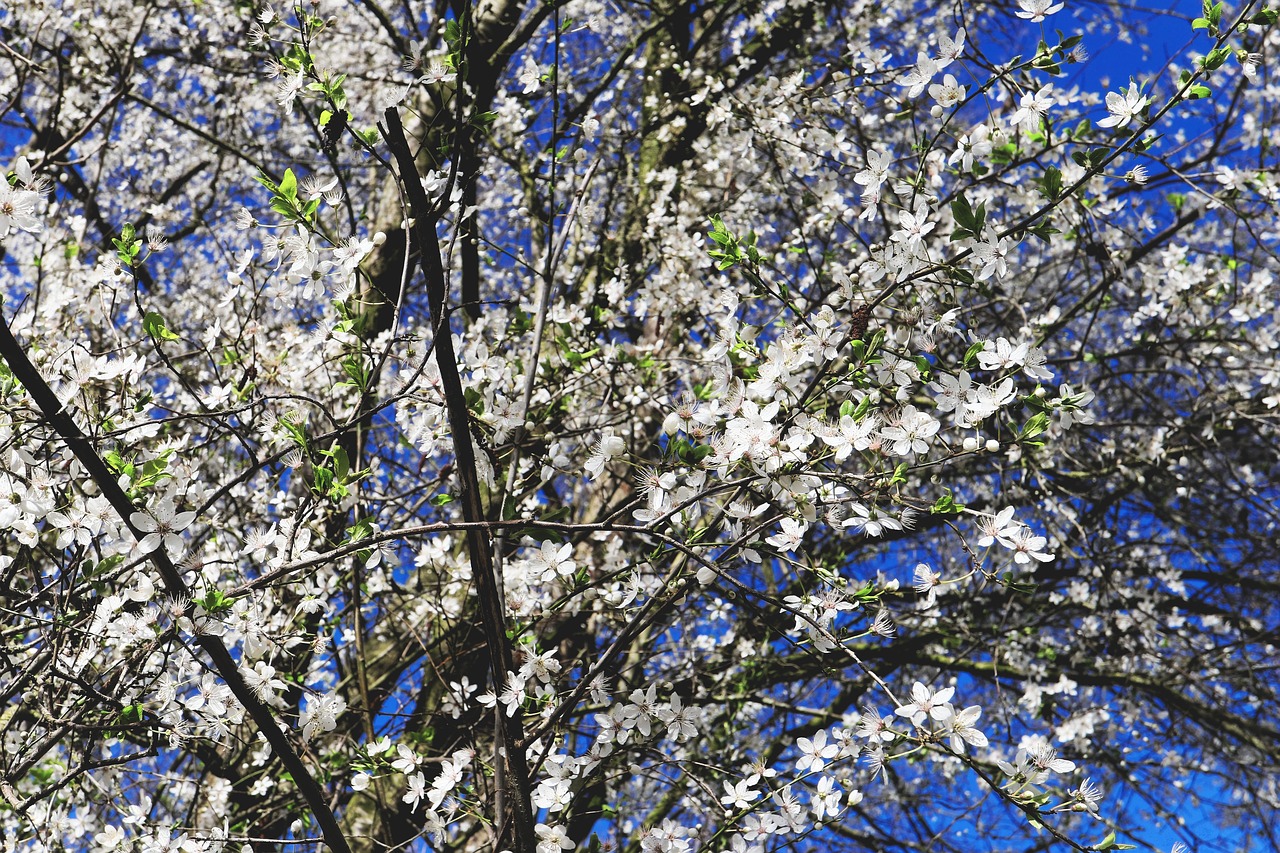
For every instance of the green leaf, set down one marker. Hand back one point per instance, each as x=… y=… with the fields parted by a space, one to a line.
x=1052 y=183
x=129 y=714
x=1043 y=230
x=1215 y=58
x=128 y=246
x=1004 y=154
x=341 y=465
x=719 y=233
x=972 y=353
x=297 y=434
x=699 y=453
x=322 y=480
x=946 y=505
x=577 y=359
x=155 y=327
x=1034 y=426
x=289 y=185
x=925 y=367
x=214 y=602
x=109 y=564
x=117 y=463
x=1106 y=843
x=966 y=217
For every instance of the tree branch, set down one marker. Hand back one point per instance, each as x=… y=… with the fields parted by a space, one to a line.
x=25 y=372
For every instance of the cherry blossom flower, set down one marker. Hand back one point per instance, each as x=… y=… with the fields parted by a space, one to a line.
x=1124 y=107
x=877 y=169
x=679 y=719
x=1046 y=758
x=258 y=541
x=961 y=729
x=655 y=485
x=75 y=525
x=290 y=86
x=1084 y=799
x=993 y=255
x=609 y=447
x=460 y=693
x=543 y=666
x=552 y=839
x=17 y=210
x=925 y=579
x=850 y=435
x=920 y=75
x=1027 y=546
x=1037 y=10
x=1137 y=175
x=437 y=72
x=161 y=524
x=999 y=526
x=869 y=520
x=815 y=752
x=530 y=76
x=407 y=762
x=1002 y=355
x=791 y=536
x=1069 y=407
x=950 y=49
x=512 y=695
x=826 y=799
x=641 y=710
x=910 y=431
x=553 y=560
x=926 y=704
x=417 y=788
x=1032 y=107
x=875 y=727
x=882 y=624
x=321 y=714
x=973 y=145
x=913 y=227
x=262 y=681
x=1035 y=363
x=1249 y=63
x=742 y=794
x=948 y=93
x=109 y=838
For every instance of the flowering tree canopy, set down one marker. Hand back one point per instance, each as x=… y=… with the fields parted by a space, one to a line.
x=738 y=426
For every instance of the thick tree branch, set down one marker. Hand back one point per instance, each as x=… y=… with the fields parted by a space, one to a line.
x=223 y=663
x=492 y=608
